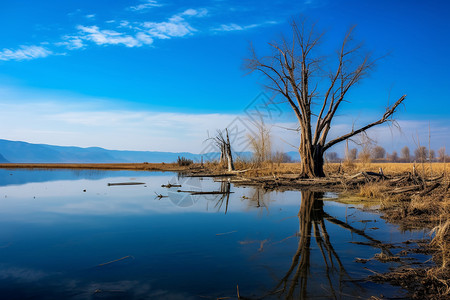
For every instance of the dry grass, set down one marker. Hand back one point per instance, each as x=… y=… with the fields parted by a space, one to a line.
x=274 y=168
x=425 y=169
x=373 y=190
x=441 y=242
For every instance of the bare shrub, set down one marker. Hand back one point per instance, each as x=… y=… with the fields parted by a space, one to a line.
x=261 y=144
x=378 y=152
x=405 y=154
x=183 y=161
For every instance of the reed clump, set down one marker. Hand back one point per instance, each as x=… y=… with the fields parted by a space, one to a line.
x=183 y=161
x=373 y=190
x=441 y=242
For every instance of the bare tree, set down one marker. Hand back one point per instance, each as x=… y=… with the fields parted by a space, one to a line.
x=393 y=157
x=294 y=70
x=441 y=154
x=406 y=155
x=261 y=144
x=378 y=152
x=352 y=154
x=421 y=154
x=223 y=143
x=365 y=155
x=431 y=155
x=332 y=157
x=281 y=157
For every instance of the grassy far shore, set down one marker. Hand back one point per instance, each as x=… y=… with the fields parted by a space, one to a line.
x=411 y=195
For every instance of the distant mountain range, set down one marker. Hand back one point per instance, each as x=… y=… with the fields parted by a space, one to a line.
x=22 y=152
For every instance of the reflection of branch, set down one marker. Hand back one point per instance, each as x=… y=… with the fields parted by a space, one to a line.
x=225 y=193
x=311 y=217
x=376 y=243
x=257 y=199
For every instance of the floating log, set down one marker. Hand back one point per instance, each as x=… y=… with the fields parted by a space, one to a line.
x=204 y=193
x=211 y=193
x=213 y=175
x=125 y=183
x=169 y=185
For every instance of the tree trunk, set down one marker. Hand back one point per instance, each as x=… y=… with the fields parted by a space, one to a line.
x=311 y=158
x=229 y=155
x=222 y=154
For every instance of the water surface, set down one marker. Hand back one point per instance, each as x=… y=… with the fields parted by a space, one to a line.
x=69 y=235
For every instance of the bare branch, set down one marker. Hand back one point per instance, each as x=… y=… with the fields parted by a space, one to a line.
x=386 y=118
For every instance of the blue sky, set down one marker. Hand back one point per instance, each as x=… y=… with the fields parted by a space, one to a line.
x=159 y=74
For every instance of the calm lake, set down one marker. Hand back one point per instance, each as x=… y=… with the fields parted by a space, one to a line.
x=68 y=234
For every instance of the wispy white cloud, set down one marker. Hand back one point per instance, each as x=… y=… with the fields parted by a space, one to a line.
x=175 y=26
x=195 y=12
x=133 y=34
x=111 y=37
x=24 y=53
x=145 y=5
x=236 y=27
x=126 y=33
x=166 y=30
x=71 y=42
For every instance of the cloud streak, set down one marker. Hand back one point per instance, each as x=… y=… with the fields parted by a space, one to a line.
x=236 y=27
x=111 y=37
x=145 y=6
x=133 y=34
x=24 y=53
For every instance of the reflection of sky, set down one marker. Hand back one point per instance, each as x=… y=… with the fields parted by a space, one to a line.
x=54 y=235
x=68 y=197
x=22 y=176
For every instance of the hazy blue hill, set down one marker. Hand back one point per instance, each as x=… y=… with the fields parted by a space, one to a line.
x=22 y=152
x=295 y=155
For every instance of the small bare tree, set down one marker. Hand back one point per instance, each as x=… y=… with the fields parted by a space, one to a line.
x=366 y=144
x=431 y=155
x=406 y=155
x=393 y=157
x=223 y=144
x=293 y=70
x=352 y=154
x=421 y=154
x=378 y=152
x=332 y=157
x=441 y=154
x=261 y=143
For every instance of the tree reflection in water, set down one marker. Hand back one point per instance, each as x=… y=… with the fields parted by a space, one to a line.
x=311 y=220
x=294 y=284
